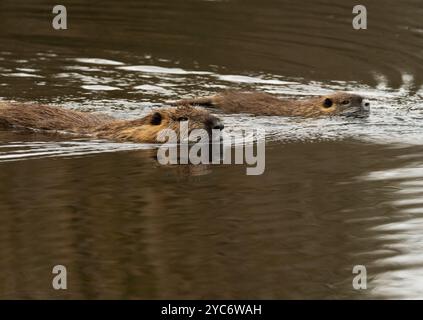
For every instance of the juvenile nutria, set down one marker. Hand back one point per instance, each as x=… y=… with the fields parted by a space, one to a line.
x=53 y=119
x=260 y=103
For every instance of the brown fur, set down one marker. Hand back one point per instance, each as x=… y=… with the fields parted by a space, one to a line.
x=53 y=119
x=260 y=103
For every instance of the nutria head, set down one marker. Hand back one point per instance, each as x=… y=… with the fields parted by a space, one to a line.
x=344 y=104
x=151 y=127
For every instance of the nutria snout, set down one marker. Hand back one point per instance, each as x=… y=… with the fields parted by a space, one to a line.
x=215 y=123
x=347 y=105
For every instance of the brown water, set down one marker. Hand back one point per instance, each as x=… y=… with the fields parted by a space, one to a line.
x=335 y=193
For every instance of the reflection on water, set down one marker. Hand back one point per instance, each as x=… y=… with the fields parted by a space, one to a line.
x=336 y=193
x=148 y=231
x=402 y=235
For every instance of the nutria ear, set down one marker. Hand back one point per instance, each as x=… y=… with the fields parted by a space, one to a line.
x=327 y=103
x=156 y=118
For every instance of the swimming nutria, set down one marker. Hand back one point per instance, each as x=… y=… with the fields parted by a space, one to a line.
x=260 y=103
x=60 y=120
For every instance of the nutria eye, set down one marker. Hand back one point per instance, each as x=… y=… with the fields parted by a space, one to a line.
x=156 y=118
x=182 y=119
x=327 y=103
x=345 y=102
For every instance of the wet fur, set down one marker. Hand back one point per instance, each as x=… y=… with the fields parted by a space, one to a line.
x=41 y=117
x=30 y=117
x=261 y=103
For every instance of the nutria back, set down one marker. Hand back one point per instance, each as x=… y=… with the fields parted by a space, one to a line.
x=145 y=129
x=42 y=117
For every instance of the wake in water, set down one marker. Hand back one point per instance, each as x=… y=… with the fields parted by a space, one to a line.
x=21 y=150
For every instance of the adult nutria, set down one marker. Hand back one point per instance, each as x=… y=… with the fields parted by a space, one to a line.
x=260 y=103
x=59 y=120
